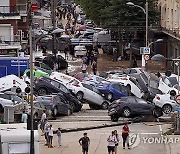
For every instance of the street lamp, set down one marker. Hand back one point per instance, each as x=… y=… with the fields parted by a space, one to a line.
x=146 y=13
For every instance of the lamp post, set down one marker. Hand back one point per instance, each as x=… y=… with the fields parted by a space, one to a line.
x=146 y=13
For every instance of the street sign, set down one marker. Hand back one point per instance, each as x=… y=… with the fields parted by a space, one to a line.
x=144 y=50
x=146 y=57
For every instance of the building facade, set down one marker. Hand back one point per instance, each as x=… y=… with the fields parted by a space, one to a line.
x=170 y=23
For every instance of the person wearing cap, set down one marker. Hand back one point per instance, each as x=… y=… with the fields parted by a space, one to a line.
x=84 y=142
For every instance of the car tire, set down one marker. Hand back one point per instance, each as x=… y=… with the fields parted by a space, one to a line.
x=126 y=112
x=79 y=95
x=55 y=112
x=105 y=105
x=157 y=112
x=1 y=109
x=114 y=118
x=167 y=108
x=42 y=91
x=72 y=106
x=94 y=106
x=109 y=96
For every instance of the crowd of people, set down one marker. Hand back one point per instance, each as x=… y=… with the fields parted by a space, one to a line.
x=113 y=141
x=89 y=59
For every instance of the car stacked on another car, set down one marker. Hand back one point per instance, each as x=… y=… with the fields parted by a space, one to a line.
x=46 y=86
x=56 y=104
x=113 y=90
x=131 y=107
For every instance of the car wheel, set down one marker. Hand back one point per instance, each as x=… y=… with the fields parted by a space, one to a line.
x=109 y=96
x=126 y=112
x=157 y=112
x=167 y=108
x=42 y=91
x=79 y=95
x=1 y=109
x=105 y=105
x=114 y=118
x=55 y=111
x=72 y=106
x=93 y=106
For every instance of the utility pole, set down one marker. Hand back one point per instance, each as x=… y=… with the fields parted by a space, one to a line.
x=54 y=27
x=31 y=76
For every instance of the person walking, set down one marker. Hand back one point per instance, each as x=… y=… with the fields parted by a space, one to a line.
x=111 y=143
x=59 y=137
x=117 y=143
x=84 y=67
x=50 y=136
x=42 y=122
x=24 y=117
x=84 y=142
x=46 y=126
x=94 y=67
x=125 y=135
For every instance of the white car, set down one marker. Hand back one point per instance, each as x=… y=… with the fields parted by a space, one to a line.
x=80 y=50
x=167 y=84
x=61 y=77
x=11 y=82
x=89 y=93
x=166 y=102
x=129 y=82
x=94 y=80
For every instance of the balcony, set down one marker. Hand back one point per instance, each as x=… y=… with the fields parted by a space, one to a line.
x=13 y=11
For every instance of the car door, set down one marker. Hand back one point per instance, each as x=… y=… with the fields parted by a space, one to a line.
x=164 y=85
x=63 y=105
x=143 y=106
x=55 y=86
x=59 y=105
x=117 y=91
x=135 y=88
x=98 y=98
x=88 y=92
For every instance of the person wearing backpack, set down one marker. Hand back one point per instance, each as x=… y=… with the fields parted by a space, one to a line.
x=112 y=140
x=84 y=142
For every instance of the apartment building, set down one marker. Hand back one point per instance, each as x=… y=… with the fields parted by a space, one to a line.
x=13 y=21
x=170 y=23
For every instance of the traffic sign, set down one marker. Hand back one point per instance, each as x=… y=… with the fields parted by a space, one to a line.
x=144 y=50
x=146 y=57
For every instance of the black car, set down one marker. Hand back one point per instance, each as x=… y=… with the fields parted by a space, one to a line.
x=45 y=86
x=75 y=104
x=56 y=104
x=51 y=59
x=131 y=107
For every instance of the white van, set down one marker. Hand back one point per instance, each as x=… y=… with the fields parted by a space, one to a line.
x=10 y=81
x=61 y=77
x=15 y=139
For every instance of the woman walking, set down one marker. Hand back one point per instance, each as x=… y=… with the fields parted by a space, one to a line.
x=125 y=135
x=59 y=137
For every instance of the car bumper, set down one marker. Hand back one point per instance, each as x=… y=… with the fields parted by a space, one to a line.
x=112 y=112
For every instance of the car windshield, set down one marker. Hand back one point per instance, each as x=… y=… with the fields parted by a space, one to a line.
x=18 y=99
x=171 y=81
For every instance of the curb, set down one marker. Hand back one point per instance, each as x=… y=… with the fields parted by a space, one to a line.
x=93 y=127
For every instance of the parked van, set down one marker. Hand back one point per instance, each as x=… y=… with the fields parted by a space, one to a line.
x=11 y=81
x=15 y=139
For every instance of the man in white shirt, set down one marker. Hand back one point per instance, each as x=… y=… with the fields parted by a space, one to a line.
x=111 y=143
